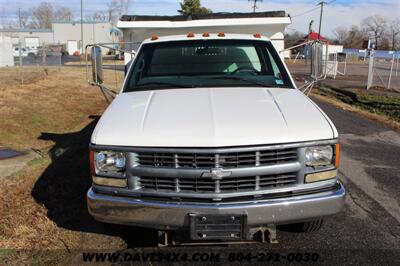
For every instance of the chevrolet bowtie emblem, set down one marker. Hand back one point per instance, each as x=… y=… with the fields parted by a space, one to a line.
x=216 y=174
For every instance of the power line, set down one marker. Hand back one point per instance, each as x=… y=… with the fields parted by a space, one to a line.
x=306 y=12
x=311 y=10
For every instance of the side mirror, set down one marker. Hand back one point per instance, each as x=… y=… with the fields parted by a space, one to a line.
x=97 y=64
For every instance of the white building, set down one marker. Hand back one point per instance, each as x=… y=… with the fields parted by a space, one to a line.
x=270 y=24
x=31 y=38
x=65 y=33
x=93 y=32
x=6 y=52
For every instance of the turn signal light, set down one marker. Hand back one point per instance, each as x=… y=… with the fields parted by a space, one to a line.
x=110 y=182
x=190 y=35
x=337 y=155
x=221 y=34
x=154 y=38
x=322 y=176
x=91 y=160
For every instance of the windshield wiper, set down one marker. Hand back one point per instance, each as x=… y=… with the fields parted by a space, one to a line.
x=162 y=83
x=242 y=79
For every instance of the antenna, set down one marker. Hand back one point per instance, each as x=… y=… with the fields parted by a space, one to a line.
x=255 y=4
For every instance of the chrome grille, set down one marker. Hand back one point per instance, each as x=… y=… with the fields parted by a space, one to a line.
x=208 y=185
x=209 y=160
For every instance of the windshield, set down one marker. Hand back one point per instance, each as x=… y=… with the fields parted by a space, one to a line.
x=207 y=63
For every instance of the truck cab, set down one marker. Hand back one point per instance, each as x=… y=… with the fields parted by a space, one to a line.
x=210 y=135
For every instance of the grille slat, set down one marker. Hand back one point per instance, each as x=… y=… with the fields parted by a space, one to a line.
x=231 y=184
x=207 y=161
x=224 y=160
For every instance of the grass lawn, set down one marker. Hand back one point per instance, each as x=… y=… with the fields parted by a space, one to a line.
x=377 y=105
x=43 y=206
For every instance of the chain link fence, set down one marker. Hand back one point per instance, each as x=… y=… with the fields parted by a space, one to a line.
x=345 y=71
x=31 y=65
x=385 y=73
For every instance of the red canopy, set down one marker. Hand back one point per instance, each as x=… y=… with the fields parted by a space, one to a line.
x=314 y=36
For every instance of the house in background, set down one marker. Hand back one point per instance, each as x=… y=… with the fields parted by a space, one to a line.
x=305 y=51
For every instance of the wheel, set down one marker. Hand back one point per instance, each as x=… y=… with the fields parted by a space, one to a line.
x=304 y=227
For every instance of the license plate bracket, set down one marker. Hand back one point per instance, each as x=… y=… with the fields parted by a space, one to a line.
x=218 y=227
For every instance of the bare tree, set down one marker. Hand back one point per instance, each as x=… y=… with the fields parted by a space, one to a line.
x=23 y=18
x=63 y=13
x=98 y=16
x=117 y=8
x=394 y=33
x=42 y=15
x=293 y=38
x=375 y=26
x=341 y=34
x=354 y=37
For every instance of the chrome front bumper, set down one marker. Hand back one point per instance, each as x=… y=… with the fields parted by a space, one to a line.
x=165 y=216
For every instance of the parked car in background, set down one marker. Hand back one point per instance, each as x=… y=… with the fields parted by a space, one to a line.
x=17 y=53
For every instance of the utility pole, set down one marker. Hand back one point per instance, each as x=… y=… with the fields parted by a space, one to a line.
x=255 y=4
x=19 y=18
x=322 y=3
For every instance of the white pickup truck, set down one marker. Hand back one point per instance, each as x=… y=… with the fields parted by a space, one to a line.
x=210 y=136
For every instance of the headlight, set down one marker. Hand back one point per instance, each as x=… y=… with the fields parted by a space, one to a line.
x=319 y=156
x=109 y=162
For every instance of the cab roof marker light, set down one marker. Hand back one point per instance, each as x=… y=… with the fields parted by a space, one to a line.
x=190 y=35
x=257 y=35
x=221 y=34
x=206 y=34
x=154 y=38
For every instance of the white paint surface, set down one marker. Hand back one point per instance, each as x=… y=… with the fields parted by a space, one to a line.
x=211 y=117
x=6 y=51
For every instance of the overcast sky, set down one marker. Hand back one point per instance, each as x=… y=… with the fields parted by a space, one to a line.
x=337 y=13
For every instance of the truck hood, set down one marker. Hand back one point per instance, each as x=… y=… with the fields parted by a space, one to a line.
x=212 y=117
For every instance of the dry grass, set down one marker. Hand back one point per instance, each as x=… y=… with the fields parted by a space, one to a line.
x=54 y=103
x=43 y=206
x=11 y=76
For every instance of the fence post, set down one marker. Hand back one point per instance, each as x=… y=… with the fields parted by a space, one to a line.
x=370 y=70
x=21 y=74
x=391 y=71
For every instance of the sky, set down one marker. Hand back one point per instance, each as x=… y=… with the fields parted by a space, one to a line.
x=337 y=13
